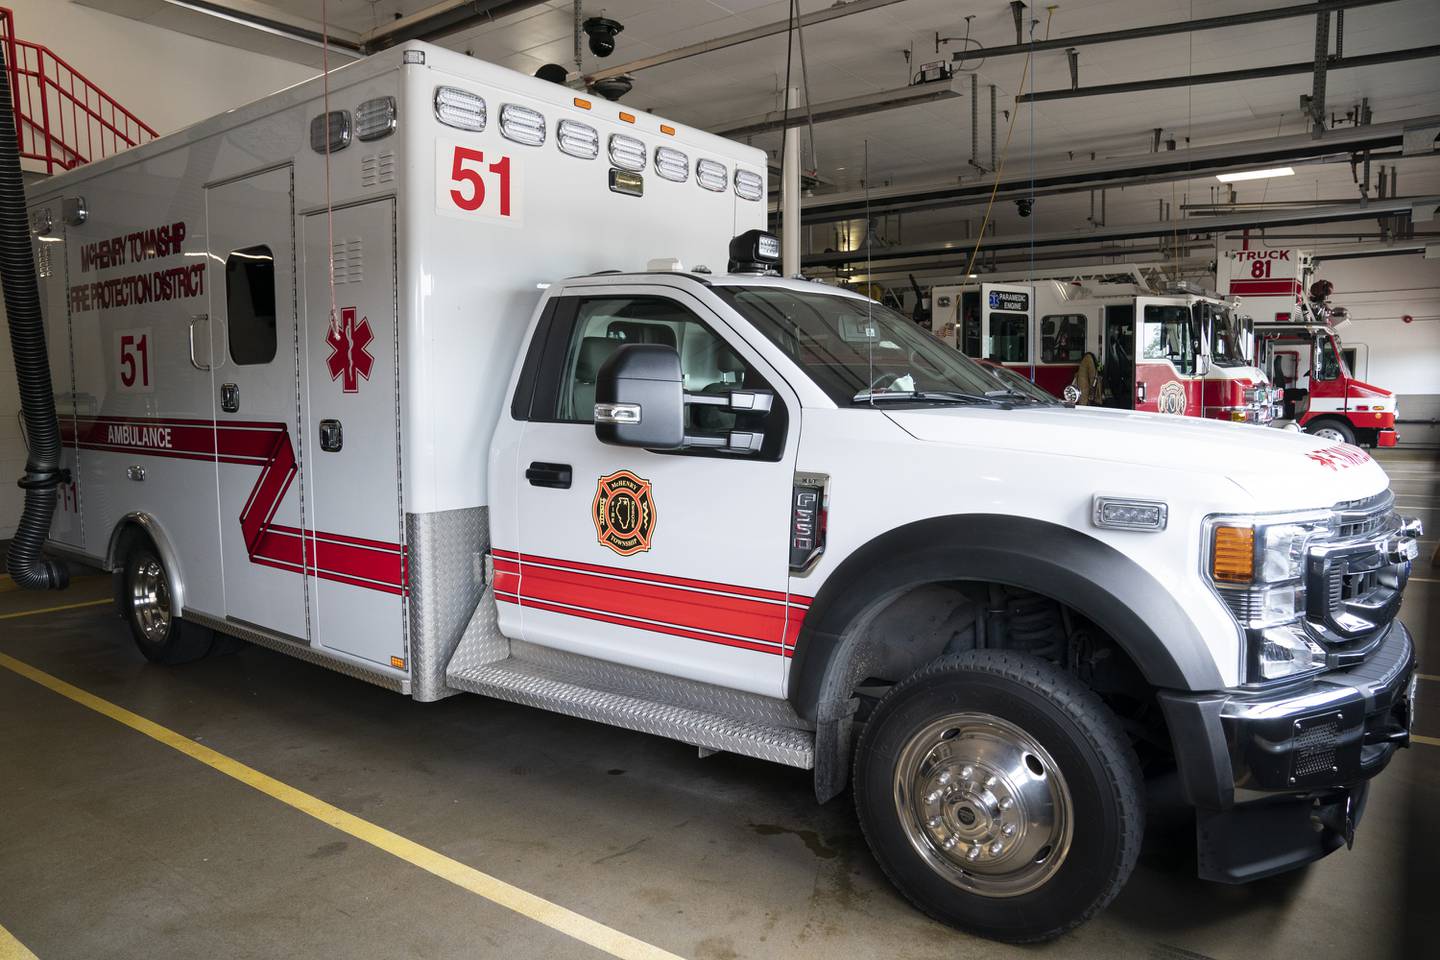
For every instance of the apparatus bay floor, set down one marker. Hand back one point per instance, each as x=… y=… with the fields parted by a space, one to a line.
x=115 y=845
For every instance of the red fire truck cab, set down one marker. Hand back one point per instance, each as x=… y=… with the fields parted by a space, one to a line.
x=1321 y=395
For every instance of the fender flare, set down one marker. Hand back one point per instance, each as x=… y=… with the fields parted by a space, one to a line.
x=1103 y=584
x=152 y=529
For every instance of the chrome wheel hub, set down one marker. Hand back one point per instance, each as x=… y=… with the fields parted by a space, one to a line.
x=1330 y=433
x=984 y=803
x=150 y=600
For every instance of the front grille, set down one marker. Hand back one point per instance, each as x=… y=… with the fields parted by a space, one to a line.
x=1360 y=518
x=1352 y=587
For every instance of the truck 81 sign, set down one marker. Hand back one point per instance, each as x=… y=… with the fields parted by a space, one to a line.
x=475 y=182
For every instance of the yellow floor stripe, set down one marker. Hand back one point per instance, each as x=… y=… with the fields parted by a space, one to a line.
x=552 y=915
x=12 y=949
x=1428 y=741
x=68 y=606
x=1427 y=676
x=1424 y=580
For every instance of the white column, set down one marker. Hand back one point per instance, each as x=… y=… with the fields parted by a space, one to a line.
x=790 y=196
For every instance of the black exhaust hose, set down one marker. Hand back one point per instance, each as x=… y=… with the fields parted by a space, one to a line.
x=32 y=368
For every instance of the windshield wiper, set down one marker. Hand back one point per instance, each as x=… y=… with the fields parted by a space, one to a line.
x=924 y=396
x=1016 y=394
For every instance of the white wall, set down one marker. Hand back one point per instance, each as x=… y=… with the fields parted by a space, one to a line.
x=1379 y=291
x=169 y=80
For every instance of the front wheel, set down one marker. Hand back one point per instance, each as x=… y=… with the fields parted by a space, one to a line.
x=145 y=604
x=1000 y=795
x=1336 y=431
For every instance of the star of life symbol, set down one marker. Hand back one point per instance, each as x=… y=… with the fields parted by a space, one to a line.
x=349 y=357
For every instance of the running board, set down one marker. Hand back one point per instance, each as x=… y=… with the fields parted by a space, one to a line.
x=706 y=716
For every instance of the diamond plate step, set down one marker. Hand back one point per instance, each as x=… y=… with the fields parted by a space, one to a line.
x=573 y=692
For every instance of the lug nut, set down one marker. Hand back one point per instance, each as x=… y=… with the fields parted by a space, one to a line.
x=1008 y=829
x=950 y=844
x=934 y=795
x=944 y=777
x=973 y=854
x=967 y=771
x=996 y=847
x=990 y=781
x=1007 y=803
x=933 y=822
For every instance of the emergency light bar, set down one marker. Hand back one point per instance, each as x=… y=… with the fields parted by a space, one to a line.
x=672 y=164
x=578 y=139
x=627 y=153
x=459 y=108
x=710 y=174
x=749 y=185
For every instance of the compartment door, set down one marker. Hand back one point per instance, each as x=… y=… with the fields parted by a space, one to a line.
x=1008 y=323
x=354 y=555
x=256 y=393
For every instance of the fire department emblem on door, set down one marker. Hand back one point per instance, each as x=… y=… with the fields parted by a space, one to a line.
x=1172 y=399
x=350 y=358
x=624 y=513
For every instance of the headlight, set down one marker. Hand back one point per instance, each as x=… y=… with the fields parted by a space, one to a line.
x=1257 y=567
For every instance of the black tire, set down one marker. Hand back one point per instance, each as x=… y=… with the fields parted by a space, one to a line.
x=1343 y=430
x=144 y=600
x=1099 y=778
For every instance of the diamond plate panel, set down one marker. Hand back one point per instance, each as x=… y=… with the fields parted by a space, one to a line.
x=447 y=581
x=300 y=651
x=535 y=686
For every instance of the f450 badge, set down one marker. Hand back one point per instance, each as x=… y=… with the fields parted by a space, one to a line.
x=624 y=513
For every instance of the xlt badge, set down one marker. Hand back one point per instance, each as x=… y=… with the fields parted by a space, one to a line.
x=624 y=513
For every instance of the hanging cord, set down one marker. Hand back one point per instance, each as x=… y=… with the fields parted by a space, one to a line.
x=1004 y=152
x=785 y=121
x=869 y=312
x=1189 y=120
x=335 y=331
x=805 y=82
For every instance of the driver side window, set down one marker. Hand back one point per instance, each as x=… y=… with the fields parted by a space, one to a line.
x=588 y=330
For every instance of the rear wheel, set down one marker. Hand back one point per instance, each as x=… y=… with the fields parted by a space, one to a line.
x=1336 y=431
x=146 y=605
x=1000 y=795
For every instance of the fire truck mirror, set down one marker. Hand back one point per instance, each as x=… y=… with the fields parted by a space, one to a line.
x=640 y=398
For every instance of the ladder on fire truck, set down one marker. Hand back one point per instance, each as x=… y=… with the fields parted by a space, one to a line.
x=62 y=118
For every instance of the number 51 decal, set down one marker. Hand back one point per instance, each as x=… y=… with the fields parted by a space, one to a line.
x=471 y=182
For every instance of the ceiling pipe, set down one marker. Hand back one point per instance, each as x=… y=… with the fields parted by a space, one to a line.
x=840 y=109
x=272 y=26
x=1174 y=27
x=1183 y=229
x=1228 y=76
x=834 y=12
x=1417 y=136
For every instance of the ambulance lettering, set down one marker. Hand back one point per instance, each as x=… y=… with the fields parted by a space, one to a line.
x=624 y=513
x=133 y=435
x=1339 y=457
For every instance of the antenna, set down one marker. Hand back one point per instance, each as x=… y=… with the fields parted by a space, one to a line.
x=869 y=314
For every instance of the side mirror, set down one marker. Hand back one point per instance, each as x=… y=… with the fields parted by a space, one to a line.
x=640 y=398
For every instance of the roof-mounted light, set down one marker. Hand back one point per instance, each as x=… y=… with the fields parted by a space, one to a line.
x=754 y=251
x=711 y=174
x=749 y=185
x=375 y=118
x=672 y=164
x=459 y=108
x=330 y=131
x=578 y=139
x=522 y=124
x=627 y=153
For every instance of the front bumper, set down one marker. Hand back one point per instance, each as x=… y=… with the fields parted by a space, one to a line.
x=1264 y=768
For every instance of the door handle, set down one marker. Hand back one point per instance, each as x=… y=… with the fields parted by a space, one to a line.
x=555 y=475
x=229 y=397
x=331 y=436
x=194 y=361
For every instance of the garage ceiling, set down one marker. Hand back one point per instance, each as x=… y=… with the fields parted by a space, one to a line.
x=865 y=54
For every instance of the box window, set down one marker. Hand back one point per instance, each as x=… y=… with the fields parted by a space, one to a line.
x=250 y=305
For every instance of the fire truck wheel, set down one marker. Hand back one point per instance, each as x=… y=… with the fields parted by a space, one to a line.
x=161 y=636
x=1336 y=431
x=1000 y=795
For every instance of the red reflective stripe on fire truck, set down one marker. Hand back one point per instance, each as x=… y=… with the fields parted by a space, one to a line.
x=372 y=564
x=748 y=617
x=1266 y=288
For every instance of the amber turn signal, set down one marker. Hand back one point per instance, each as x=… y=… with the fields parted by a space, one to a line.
x=1233 y=559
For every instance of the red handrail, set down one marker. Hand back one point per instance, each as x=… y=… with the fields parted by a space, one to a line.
x=62 y=119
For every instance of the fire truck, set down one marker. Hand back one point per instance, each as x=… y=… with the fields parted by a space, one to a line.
x=453 y=380
x=1297 y=341
x=1159 y=346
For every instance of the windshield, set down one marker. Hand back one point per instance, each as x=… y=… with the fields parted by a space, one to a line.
x=1226 y=330
x=858 y=351
x=1016 y=384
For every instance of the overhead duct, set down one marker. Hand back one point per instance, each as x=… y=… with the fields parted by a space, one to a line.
x=43 y=474
x=1172 y=228
x=1417 y=137
x=840 y=109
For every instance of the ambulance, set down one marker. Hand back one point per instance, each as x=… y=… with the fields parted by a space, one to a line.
x=1159 y=347
x=1297 y=342
x=454 y=380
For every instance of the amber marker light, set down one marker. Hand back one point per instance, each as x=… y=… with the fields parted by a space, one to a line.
x=1233 y=557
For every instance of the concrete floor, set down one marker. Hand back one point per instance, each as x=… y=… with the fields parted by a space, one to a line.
x=114 y=845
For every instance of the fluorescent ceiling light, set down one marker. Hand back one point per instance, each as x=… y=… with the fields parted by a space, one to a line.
x=1255 y=174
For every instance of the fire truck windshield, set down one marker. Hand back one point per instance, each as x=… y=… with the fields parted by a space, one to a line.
x=1226 y=334
x=853 y=348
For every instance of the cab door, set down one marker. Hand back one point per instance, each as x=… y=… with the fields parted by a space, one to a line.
x=1008 y=323
x=254 y=374
x=1168 y=362
x=1117 y=356
x=676 y=562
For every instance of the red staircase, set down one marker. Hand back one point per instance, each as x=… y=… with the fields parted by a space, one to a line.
x=62 y=119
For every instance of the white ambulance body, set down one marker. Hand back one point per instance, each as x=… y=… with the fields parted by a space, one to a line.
x=189 y=402
x=324 y=385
